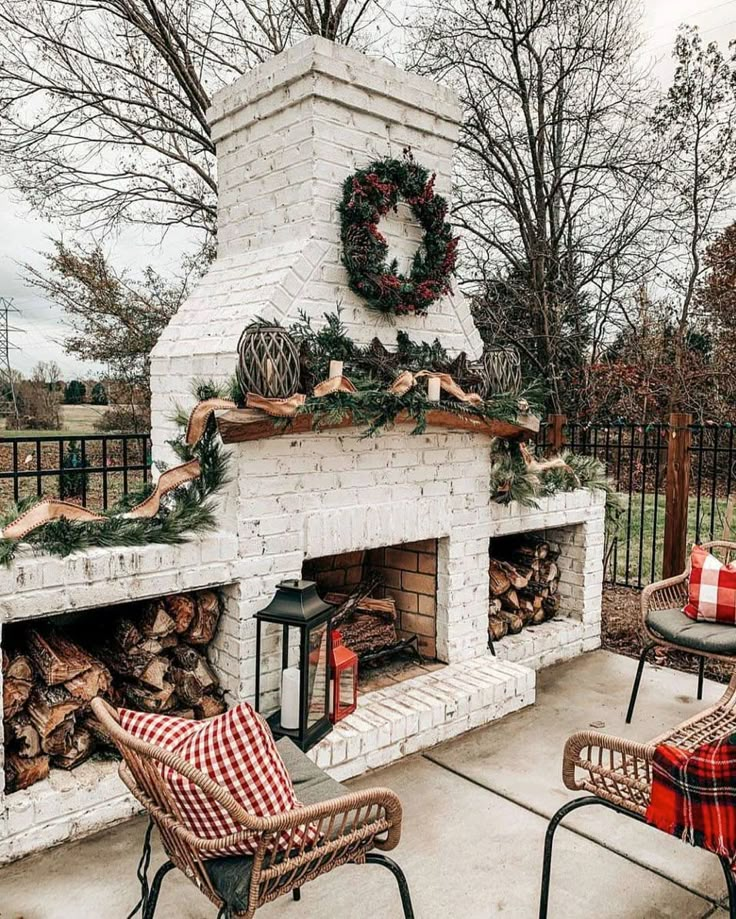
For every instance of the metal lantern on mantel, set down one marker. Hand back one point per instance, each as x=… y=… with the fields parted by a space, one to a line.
x=502 y=366
x=305 y=657
x=268 y=361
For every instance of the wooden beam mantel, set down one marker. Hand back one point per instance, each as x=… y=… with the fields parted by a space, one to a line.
x=240 y=425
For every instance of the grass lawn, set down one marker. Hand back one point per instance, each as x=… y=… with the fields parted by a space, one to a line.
x=639 y=520
x=29 y=435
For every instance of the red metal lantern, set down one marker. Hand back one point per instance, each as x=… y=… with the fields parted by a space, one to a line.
x=344 y=676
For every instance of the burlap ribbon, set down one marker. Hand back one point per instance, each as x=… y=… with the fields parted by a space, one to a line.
x=44 y=512
x=406 y=380
x=403 y=383
x=279 y=408
x=52 y=509
x=333 y=384
x=451 y=387
x=200 y=415
x=536 y=466
x=168 y=481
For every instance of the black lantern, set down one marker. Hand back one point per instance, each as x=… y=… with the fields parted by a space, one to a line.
x=304 y=713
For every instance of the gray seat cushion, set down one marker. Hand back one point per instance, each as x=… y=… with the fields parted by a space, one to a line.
x=673 y=625
x=231 y=876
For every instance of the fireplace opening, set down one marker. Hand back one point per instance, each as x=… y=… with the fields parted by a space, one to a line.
x=524 y=574
x=150 y=656
x=385 y=608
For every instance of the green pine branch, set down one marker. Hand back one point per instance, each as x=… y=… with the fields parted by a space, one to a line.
x=189 y=511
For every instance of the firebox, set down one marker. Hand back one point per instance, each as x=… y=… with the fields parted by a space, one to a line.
x=386 y=606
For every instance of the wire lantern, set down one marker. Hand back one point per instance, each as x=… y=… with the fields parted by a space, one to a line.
x=503 y=370
x=268 y=361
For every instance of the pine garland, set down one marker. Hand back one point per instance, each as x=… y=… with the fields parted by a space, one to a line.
x=189 y=511
x=378 y=409
x=372 y=370
x=511 y=479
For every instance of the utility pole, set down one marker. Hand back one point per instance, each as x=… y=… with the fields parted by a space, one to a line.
x=8 y=401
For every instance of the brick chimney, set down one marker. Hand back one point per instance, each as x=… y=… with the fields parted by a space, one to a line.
x=287 y=135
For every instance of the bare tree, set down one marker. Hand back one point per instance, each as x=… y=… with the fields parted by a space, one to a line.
x=103 y=102
x=697 y=124
x=116 y=319
x=555 y=184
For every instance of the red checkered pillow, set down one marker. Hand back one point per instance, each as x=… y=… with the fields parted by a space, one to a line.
x=712 y=589
x=237 y=751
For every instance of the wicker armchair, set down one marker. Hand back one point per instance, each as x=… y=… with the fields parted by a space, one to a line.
x=666 y=626
x=617 y=774
x=349 y=826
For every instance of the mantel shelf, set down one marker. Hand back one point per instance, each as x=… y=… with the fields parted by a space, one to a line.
x=240 y=425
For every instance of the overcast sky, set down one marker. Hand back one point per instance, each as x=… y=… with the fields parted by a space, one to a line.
x=25 y=235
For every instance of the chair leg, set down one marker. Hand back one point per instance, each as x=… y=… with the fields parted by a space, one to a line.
x=377 y=858
x=149 y=907
x=730 y=885
x=701 y=675
x=554 y=822
x=635 y=688
x=297 y=893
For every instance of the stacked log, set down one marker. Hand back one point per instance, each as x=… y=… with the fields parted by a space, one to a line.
x=524 y=585
x=366 y=623
x=151 y=658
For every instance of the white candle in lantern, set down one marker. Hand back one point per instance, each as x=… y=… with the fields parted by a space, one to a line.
x=269 y=371
x=335 y=369
x=290 y=698
x=433 y=389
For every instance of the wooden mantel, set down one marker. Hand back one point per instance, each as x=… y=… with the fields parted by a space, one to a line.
x=240 y=425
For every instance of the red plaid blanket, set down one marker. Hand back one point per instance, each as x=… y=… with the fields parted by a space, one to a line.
x=694 y=795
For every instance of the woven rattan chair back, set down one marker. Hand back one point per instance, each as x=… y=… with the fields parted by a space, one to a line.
x=345 y=828
x=672 y=594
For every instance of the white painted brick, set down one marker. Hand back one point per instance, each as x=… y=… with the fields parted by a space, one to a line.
x=282 y=157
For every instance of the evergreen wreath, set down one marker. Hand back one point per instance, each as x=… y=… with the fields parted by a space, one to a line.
x=368 y=195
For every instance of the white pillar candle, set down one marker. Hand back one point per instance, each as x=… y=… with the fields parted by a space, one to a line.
x=433 y=389
x=336 y=369
x=269 y=371
x=290 y=698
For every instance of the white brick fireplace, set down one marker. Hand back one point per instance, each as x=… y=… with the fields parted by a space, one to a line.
x=287 y=135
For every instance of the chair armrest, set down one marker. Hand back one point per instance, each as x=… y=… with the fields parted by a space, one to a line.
x=610 y=767
x=343 y=814
x=668 y=594
x=371 y=813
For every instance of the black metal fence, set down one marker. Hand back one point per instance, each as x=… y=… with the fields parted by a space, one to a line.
x=95 y=470
x=636 y=458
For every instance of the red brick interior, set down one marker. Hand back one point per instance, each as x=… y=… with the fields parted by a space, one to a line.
x=409 y=575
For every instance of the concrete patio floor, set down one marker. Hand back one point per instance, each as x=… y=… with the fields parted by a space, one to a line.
x=476 y=810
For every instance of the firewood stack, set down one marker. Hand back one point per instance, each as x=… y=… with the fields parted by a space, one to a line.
x=151 y=657
x=366 y=623
x=524 y=581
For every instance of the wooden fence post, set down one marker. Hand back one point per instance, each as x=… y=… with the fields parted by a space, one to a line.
x=556 y=425
x=677 y=492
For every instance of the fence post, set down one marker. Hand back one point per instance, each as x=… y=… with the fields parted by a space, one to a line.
x=556 y=426
x=677 y=492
